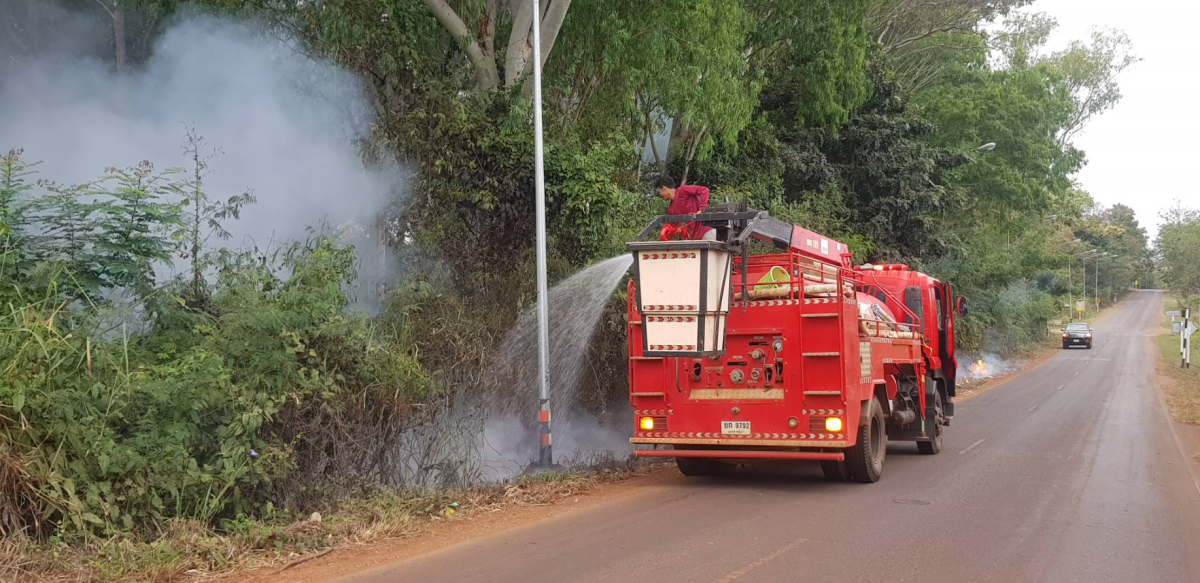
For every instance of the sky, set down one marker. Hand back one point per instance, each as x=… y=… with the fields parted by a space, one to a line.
x=1142 y=152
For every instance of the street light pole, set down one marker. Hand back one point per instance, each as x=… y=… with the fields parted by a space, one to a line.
x=545 y=452
x=1071 y=289
x=1070 y=277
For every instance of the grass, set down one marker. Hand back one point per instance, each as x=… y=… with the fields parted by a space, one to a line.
x=1182 y=390
x=187 y=549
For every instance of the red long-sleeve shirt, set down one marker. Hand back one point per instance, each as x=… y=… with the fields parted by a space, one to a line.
x=690 y=199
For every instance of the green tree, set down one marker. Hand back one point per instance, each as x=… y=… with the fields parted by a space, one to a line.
x=15 y=262
x=135 y=222
x=203 y=216
x=1177 y=247
x=474 y=26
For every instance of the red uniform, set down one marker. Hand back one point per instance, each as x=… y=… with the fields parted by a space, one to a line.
x=690 y=199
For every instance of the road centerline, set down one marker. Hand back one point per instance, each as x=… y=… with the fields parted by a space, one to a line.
x=971 y=447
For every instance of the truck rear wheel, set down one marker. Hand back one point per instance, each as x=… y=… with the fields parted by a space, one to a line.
x=691 y=466
x=933 y=425
x=865 y=458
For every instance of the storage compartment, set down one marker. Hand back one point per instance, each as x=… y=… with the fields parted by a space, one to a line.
x=683 y=293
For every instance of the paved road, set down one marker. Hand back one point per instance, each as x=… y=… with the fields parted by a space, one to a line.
x=1067 y=473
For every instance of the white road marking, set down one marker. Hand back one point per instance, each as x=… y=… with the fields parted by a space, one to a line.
x=738 y=574
x=1060 y=387
x=970 y=447
x=1030 y=410
x=1076 y=373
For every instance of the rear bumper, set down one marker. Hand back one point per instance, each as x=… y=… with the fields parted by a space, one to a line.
x=733 y=454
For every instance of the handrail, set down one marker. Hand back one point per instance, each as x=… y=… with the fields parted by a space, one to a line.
x=898 y=302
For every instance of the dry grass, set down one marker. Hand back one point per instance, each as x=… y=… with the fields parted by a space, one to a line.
x=1182 y=389
x=186 y=550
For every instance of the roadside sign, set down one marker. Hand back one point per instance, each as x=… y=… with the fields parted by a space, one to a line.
x=1176 y=327
x=1174 y=313
x=1079 y=307
x=1188 y=328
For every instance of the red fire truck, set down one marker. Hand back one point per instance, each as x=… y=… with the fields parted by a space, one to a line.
x=793 y=354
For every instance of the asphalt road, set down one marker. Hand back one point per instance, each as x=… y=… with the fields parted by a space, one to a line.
x=1070 y=472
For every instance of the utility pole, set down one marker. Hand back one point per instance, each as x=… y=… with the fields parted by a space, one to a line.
x=545 y=452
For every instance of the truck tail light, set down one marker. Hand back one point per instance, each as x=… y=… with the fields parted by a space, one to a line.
x=833 y=424
x=652 y=423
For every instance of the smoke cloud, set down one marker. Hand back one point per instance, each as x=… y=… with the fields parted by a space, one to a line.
x=288 y=127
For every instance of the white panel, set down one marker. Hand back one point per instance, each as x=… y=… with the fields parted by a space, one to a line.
x=669 y=287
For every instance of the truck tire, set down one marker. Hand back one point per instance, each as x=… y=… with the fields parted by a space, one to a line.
x=865 y=458
x=932 y=425
x=690 y=466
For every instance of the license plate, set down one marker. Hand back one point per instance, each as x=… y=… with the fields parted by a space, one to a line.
x=735 y=427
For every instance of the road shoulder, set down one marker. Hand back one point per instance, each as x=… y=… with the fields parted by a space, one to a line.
x=464 y=527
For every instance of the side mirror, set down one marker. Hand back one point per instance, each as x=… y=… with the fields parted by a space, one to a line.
x=961 y=307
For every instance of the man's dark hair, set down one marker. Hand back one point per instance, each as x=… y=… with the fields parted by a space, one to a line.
x=664 y=180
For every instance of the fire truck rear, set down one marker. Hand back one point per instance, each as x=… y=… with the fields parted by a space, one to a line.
x=792 y=355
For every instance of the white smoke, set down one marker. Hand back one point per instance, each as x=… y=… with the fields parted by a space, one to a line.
x=509 y=446
x=288 y=127
x=983 y=365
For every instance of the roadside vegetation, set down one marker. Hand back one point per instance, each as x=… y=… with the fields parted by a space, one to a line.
x=1182 y=389
x=1177 y=248
x=150 y=424
x=280 y=540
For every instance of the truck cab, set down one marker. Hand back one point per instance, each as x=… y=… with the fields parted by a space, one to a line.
x=929 y=302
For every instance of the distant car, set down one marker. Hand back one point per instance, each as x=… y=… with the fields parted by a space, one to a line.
x=1077 y=334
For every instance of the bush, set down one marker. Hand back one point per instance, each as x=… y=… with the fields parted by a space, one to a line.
x=275 y=389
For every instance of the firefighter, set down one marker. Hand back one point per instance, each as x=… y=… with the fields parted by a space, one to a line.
x=685 y=200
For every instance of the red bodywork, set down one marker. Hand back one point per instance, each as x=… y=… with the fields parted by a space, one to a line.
x=792 y=362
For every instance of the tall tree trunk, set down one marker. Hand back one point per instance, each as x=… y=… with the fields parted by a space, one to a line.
x=658 y=159
x=520 y=41
x=118 y=18
x=693 y=147
x=676 y=139
x=484 y=64
x=553 y=14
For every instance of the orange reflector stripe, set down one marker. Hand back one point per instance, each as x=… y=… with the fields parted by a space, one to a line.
x=544 y=415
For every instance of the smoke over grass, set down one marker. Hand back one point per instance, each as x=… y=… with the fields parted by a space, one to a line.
x=288 y=127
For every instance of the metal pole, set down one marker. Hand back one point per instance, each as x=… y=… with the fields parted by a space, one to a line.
x=1070 y=291
x=545 y=453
